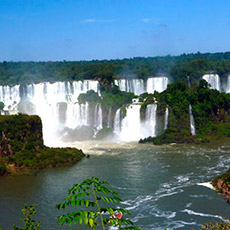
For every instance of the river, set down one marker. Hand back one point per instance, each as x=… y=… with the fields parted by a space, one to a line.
x=158 y=184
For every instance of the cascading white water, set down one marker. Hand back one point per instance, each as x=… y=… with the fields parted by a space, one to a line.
x=166 y=118
x=77 y=115
x=227 y=88
x=44 y=100
x=98 y=117
x=10 y=96
x=135 y=86
x=131 y=124
x=109 y=121
x=117 y=122
x=156 y=83
x=213 y=80
x=130 y=128
x=192 y=123
x=150 y=120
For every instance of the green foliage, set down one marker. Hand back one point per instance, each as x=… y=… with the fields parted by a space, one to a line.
x=30 y=224
x=217 y=226
x=88 y=196
x=23 y=131
x=1 y=105
x=24 y=146
x=3 y=168
x=114 y=98
x=47 y=157
x=210 y=110
x=177 y=67
x=90 y=96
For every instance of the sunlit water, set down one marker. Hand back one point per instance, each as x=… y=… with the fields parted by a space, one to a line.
x=158 y=184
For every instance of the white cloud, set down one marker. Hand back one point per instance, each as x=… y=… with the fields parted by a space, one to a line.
x=145 y=20
x=92 y=20
x=89 y=20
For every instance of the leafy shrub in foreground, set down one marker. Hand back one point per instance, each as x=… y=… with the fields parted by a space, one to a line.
x=88 y=196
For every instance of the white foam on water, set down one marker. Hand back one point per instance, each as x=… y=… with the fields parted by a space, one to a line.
x=190 y=212
x=163 y=214
x=207 y=185
x=137 y=202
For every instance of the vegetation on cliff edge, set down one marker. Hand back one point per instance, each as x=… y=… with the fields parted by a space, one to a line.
x=22 y=148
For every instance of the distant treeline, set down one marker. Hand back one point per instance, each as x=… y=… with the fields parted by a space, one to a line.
x=175 y=67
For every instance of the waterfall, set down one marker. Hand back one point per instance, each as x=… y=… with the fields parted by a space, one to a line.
x=98 y=117
x=157 y=83
x=192 y=123
x=109 y=121
x=135 y=86
x=45 y=99
x=117 y=122
x=213 y=80
x=10 y=96
x=131 y=124
x=166 y=118
x=227 y=88
x=150 y=120
x=77 y=115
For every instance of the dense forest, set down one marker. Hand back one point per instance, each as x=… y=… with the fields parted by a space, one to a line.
x=175 y=67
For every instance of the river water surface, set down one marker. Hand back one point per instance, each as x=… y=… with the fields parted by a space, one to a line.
x=158 y=184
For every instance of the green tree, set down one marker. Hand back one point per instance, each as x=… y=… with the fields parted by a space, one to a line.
x=30 y=224
x=88 y=196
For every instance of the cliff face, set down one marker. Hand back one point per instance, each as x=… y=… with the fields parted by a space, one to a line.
x=22 y=148
x=20 y=132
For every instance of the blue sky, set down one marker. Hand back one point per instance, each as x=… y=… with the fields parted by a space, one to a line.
x=45 y=30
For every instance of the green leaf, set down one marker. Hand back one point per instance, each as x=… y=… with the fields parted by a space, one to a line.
x=86 y=220
x=87 y=203
x=80 y=220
